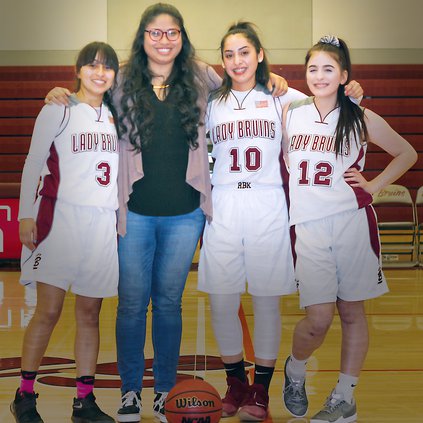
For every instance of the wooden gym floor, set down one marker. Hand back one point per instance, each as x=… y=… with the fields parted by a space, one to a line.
x=390 y=388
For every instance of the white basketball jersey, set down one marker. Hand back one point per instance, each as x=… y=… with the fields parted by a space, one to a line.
x=83 y=161
x=246 y=132
x=317 y=187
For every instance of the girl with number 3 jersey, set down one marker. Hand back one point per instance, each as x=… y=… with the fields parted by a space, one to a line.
x=69 y=233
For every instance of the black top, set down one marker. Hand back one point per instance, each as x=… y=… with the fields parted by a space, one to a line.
x=163 y=190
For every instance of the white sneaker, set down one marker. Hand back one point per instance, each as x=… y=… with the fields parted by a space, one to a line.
x=131 y=407
x=159 y=406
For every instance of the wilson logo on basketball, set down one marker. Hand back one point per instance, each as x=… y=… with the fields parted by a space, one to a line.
x=193 y=402
x=196 y=419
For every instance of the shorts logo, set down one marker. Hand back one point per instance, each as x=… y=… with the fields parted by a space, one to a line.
x=379 y=276
x=36 y=261
x=244 y=185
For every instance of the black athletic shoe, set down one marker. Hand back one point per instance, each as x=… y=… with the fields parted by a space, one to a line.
x=131 y=407
x=85 y=410
x=159 y=406
x=24 y=408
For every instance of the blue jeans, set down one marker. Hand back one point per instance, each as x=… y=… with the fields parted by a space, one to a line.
x=155 y=257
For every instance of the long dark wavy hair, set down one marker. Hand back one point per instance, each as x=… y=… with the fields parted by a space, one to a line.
x=351 y=117
x=107 y=56
x=248 y=30
x=137 y=115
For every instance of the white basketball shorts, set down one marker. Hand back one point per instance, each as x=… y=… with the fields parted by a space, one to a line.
x=247 y=241
x=339 y=257
x=77 y=249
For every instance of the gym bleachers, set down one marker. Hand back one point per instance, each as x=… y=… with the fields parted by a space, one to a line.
x=22 y=90
x=393 y=91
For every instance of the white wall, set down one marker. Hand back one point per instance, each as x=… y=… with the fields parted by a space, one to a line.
x=51 y=24
x=377 y=31
x=371 y=24
x=52 y=31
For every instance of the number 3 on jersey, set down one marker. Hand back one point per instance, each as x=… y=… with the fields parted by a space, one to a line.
x=104 y=178
x=251 y=157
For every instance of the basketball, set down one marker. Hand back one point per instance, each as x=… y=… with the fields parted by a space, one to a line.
x=193 y=401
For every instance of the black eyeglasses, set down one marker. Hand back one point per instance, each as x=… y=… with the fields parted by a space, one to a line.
x=157 y=34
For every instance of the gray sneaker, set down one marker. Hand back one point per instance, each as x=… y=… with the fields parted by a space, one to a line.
x=294 y=395
x=336 y=410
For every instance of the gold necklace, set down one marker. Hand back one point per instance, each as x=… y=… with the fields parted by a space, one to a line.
x=161 y=87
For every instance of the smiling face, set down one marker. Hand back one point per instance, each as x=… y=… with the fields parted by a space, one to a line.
x=162 y=53
x=324 y=74
x=95 y=78
x=240 y=60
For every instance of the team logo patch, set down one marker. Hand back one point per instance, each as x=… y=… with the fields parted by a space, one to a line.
x=244 y=185
x=262 y=104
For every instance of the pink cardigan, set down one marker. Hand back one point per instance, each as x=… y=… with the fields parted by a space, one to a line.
x=130 y=162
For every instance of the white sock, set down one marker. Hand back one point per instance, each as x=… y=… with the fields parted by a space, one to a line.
x=346 y=385
x=296 y=369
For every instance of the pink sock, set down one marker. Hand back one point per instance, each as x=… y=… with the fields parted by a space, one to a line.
x=84 y=386
x=27 y=385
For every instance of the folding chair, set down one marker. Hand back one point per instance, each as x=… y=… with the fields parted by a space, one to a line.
x=419 y=222
x=397 y=226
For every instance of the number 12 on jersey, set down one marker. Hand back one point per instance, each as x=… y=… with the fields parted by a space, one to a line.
x=322 y=175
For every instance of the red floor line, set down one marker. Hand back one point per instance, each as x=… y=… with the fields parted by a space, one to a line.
x=248 y=342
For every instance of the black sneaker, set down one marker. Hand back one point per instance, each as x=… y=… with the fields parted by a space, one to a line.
x=131 y=407
x=85 y=410
x=24 y=408
x=159 y=406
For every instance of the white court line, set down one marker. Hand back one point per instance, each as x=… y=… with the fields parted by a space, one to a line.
x=200 y=349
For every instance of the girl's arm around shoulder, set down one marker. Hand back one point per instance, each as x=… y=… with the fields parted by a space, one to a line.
x=284 y=114
x=285 y=133
x=209 y=76
x=277 y=85
x=354 y=91
x=403 y=153
x=291 y=95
